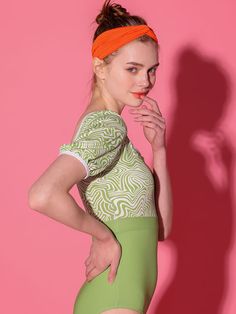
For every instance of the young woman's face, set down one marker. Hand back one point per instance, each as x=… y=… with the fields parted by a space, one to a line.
x=133 y=70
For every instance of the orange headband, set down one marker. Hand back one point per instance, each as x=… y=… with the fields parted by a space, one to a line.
x=114 y=38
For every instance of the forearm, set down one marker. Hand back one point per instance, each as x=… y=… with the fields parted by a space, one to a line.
x=163 y=194
x=62 y=207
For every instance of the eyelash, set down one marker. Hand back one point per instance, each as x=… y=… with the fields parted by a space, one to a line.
x=129 y=69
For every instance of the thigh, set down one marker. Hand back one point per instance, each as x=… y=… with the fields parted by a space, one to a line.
x=136 y=277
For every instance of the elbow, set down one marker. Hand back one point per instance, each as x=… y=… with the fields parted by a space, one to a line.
x=168 y=230
x=164 y=235
x=164 y=231
x=37 y=199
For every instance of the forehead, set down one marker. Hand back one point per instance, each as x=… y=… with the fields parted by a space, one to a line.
x=137 y=51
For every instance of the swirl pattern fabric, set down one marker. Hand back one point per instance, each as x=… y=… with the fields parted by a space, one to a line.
x=118 y=183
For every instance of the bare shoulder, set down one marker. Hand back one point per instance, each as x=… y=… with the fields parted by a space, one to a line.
x=78 y=123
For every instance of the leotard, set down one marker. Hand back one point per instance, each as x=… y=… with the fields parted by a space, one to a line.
x=119 y=191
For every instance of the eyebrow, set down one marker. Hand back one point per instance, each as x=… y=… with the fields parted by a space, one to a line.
x=140 y=64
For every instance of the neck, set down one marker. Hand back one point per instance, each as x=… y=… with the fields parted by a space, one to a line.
x=101 y=102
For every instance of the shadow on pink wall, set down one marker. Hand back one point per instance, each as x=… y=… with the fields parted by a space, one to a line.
x=199 y=158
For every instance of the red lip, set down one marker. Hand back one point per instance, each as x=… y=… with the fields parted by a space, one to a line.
x=137 y=95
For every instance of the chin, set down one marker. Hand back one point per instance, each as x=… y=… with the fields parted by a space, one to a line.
x=139 y=101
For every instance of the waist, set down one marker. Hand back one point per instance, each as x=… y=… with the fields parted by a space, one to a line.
x=132 y=223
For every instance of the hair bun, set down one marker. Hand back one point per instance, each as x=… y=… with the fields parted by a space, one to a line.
x=118 y=10
x=111 y=11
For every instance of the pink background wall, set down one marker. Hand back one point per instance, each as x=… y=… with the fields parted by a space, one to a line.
x=45 y=68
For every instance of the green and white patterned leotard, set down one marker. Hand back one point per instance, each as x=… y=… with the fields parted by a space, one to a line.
x=119 y=191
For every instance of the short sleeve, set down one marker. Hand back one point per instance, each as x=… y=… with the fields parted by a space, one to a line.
x=98 y=142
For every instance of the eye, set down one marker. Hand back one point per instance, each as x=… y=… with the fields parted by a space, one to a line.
x=153 y=70
x=130 y=69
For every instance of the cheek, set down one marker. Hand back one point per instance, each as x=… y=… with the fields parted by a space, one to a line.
x=121 y=78
x=121 y=81
x=126 y=80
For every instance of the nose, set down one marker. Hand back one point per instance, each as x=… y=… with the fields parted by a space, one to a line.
x=144 y=81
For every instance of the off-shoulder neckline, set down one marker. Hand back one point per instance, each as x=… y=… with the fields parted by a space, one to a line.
x=98 y=111
x=105 y=110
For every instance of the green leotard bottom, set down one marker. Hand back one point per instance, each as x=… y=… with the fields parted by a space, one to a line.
x=136 y=276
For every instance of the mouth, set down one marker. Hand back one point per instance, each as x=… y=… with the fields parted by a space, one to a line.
x=138 y=95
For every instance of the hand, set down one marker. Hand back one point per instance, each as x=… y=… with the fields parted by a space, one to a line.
x=153 y=123
x=103 y=253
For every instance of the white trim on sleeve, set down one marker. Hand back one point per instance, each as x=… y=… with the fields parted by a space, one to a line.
x=76 y=155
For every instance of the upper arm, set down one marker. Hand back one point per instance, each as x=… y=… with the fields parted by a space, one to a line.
x=94 y=148
x=61 y=174
x=64 y=172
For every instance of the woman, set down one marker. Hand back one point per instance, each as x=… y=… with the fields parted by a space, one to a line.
x=128 y=208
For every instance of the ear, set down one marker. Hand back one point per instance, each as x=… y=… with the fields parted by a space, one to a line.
x=98 y=67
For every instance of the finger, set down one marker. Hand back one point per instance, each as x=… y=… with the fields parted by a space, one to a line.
x=153 y=103
x=153 y=121
x=155 y=117
x=95 y=272
x=90 y=268
x=88 y=261
x=152 y=125
x=143 y=111
x=113 y=270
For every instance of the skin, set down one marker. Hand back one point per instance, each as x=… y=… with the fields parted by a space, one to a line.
x=50 y=195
